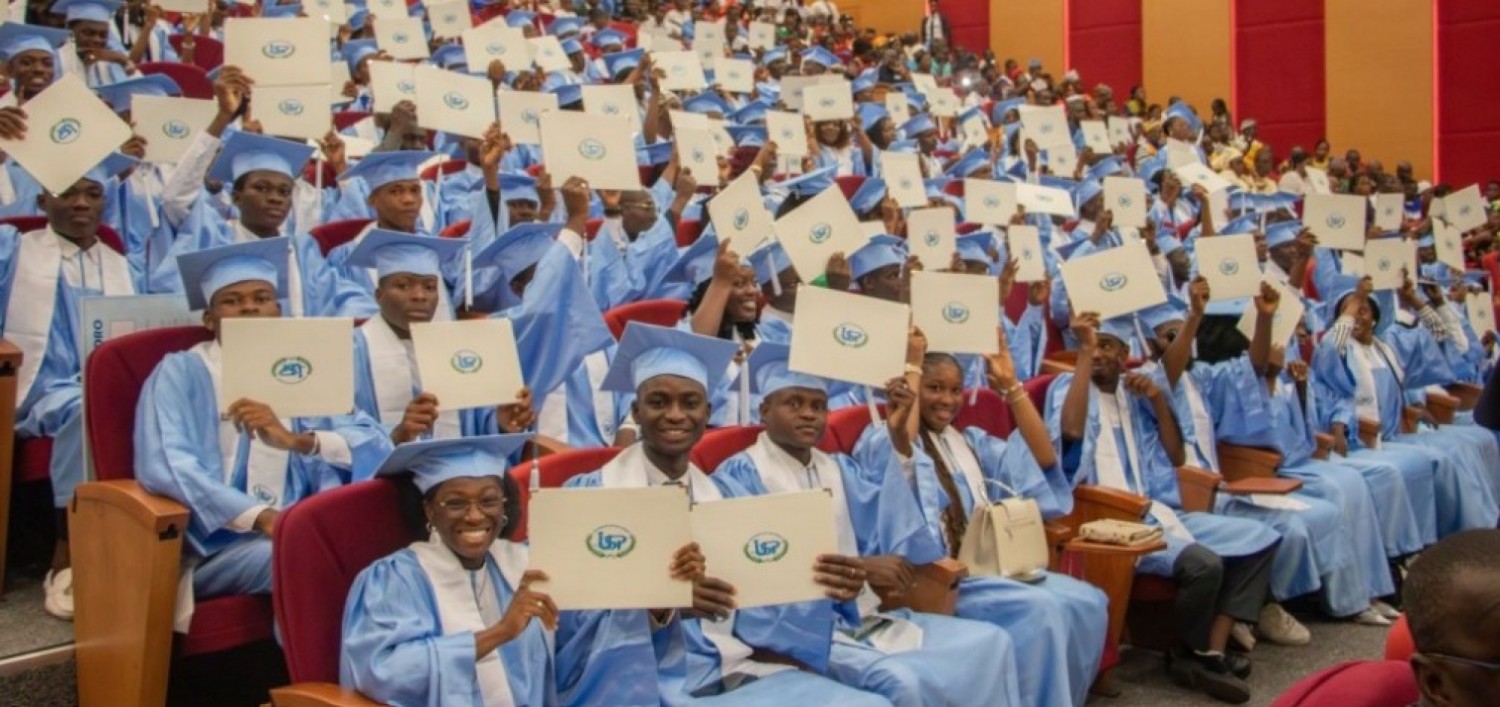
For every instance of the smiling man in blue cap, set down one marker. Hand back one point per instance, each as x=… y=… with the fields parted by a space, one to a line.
x=187 y=452
x=389 y=186
x=43 y=273
x=31 y=59
x=90 y=22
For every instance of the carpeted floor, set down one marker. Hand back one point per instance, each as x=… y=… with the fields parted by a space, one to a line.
x=24 y=626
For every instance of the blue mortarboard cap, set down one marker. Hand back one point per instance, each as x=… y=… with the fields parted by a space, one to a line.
x=810 y=184
x=1122 y=328
x=1243 y=224
x=519 y=18
x=706 y=102
x=1166 y=243
x=696 y=262
x=1282 y=232
x=1427 y=241
x=878 y=252
x=997 y=114
x=656 y=153
x=517 y=249
x=281 y=11
x=905 y=146
x=748 y=135
x=248 y=152
x=972 y=161
x=381 y=168
x=869 y=114
x=752 y=112
x=975 y=246
x=1174 y=309
x=868 y=196
x=207 y=271
x=647 y=351
x=113 y=164
x=390 y=252
x=118 y=94
x=571 y=46
x=620 y=62
x=772 y=55
x=1183 y=111
x=1108 y=166
x=1225 y=308
x=1150 y=167
x=606 y=37
x=517 y=186
x=769 y=261
x=434 y=461
x=567 y=94
x=920 y=123
x=356 y=50
x=1476 y=278
x=357 y=18
x=770 y=371
x=95 y=10
x=1085 y=191
x=864 y=82
x=1437 y=272
x=819 y=55
x=450 y=56
x=565 y=25
x=16 y=37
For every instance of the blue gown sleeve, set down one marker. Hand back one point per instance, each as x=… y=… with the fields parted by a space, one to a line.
x=1014 y=466
x=1422 y=360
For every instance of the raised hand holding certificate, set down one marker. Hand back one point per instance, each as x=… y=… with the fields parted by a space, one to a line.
x=610 y=548
x=848 y=337
x=1338 y=220
x=957 y=312
x=1114 y=282
x=68 y=131
x=289 y=51
x=592 y=147
x=767 y=546
x=299 y=367
x=1230 y=266
x=468 y=363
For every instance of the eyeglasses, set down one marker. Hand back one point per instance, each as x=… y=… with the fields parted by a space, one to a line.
x=459 y=507
x=1482 y=665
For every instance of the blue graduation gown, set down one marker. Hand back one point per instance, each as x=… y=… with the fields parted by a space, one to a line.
x=943 y=669
x=396 y=651
x=1060 y=618
x=473 y=422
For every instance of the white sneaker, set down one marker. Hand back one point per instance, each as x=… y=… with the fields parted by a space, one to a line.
x=1371 y=617
x=59 y=589
x=1279 y=627
x=1385 y=610
x=1242 y=634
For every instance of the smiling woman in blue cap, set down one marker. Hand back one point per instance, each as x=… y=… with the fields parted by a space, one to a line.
x=451 y=619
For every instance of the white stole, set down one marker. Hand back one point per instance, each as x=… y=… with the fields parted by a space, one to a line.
x=1364 y=361
x=393 y=369
x=266 y=467
x=961 y=461
x=1114 y=412
x=33 y=297
x=1204 y=447
x=459 y=609
x=294 y=266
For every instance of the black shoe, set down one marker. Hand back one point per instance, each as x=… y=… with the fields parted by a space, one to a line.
x=1209 y=674
x=1239 y=664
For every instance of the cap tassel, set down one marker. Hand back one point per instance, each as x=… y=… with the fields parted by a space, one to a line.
x=469 y=277
x=745 y=393
x=870 y=403
x=776 y=284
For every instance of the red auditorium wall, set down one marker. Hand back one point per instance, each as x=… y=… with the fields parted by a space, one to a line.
x=1104 y=43
x=1279 y=72
x=1468 y=91
x=970 y=22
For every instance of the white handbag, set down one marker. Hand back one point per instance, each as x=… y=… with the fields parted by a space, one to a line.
x=1006 y=539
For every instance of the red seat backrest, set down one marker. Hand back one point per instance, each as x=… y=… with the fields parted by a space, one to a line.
x=457 y=229
x=1036 y=389
x=448 y=167
x=116 y=372
x=26 y=224
x=344 y=118
x=556 y=469
x=336 y=233
x=844 y=429
x=310 y=174
x=723 y=443
x=688 y=232
x=988 y=412
x=661 y=312
x=849 y=184
x=591 y=227
x=191 y=79
x=1363 y=683
x=320 y=545
x=208 y=53
x=954 y=188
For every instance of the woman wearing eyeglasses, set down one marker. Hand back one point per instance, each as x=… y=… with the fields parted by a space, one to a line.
x=451 y=619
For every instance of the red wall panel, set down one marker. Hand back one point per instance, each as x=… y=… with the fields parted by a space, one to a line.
x=1468 y=92
x=1104 y=43
x=1279 y=71
x=969 y=20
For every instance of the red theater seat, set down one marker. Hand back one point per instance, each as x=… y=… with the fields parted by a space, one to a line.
x=336 y=233
x=1368 y=683
x=191 y=79
x=556 y=469
x=661 y=312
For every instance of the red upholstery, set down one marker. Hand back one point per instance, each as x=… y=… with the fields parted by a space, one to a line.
x=626 y=28
x=844 y=428
x=849 y=184
x=1036 y=389
x=25 y=224
x=116 y=372
x=33 y=460
x=320 y=545
x=988 y=412
x=1398 y=643
x=456 y=230
x=556 y=469
x=344 y=118
x=688 y=232
x=954 y=188
x=430 y=173
x=723 y=443
x=310 y=174
x=591 y=227
x=227 y=622
x=1367 y=683
x=336 y=233
x=662 y=312
x=208 y=53
x=191 y=79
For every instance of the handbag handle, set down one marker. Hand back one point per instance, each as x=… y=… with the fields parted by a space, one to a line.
x=1003 y=487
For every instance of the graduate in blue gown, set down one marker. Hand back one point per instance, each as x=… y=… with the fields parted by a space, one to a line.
x=387 y=380
x=43 y=275
x=389 y=184
x=725 y=305
x=262 y=173
x=101 y=55
x=451 y=619
x=1117 y=430
x=692 y=658
x=947 y=473
x=236 y=474
x=32 y=64
x=909 y=657
x=1363 y=377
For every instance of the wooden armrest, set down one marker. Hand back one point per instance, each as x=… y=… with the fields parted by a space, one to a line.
x=1196 y=488
x=1466 y=393
x=316 y=694
x=1098 y=502
x=1324 y=442
x=935 y=591
x=1238 y=462
x=1136 y=550
x=549 y=445
x=10 y=358
x=156 y=513
x=1277 y=486
x=1409 y=416
x=1444 y=408
x=1058 y=533
x=1369 y=432
x=1060 y=362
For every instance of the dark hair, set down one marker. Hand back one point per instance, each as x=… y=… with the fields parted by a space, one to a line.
x=936 y=358
x=1428 y=592
x=1220 y=339
x=411 y=503
x=726 y=327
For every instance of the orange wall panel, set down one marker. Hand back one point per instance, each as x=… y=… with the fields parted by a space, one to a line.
x=1186 y=51
x=1026 y=29
x=1380 y=89
x=899 y=16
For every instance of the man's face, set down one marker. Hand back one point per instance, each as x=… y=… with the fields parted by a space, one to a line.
x=927 y=142
x=1109 y=360
x=795 y=417
x=672 y=412
x=89 y=35
x=1466 y=671
x=405 y=298
x=264 y=199
x=637 y=212
x=33 y=71
x=521 y=211
x=1284 y=255
x=884 y=283
x=1181 y=264
x=398 y=204
x=1492 y=191
x=251 y=298
x=75 y=213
